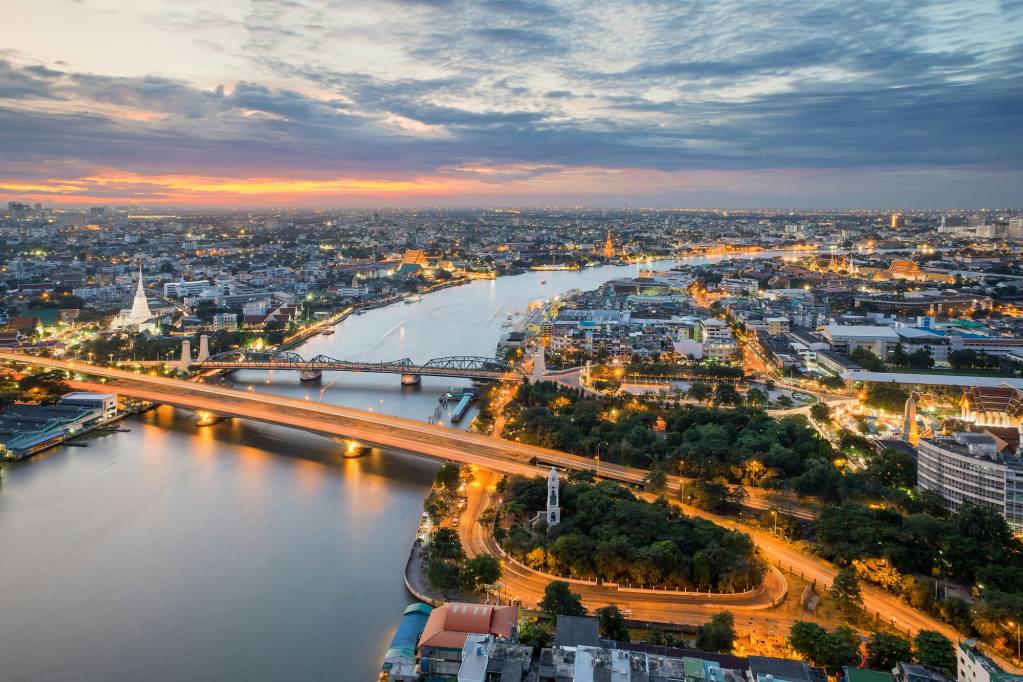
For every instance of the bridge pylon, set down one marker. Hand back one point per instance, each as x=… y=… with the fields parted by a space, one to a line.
x=185 y=362
x=204 y=349
x=539 y=365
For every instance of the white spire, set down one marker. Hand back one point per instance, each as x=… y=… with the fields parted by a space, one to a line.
x=140 y=306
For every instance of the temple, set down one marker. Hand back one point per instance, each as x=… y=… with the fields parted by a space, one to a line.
x=139 y=317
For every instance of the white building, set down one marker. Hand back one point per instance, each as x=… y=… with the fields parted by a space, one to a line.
x=715 y=329
x=740 y=286
x=846 y=338
x=225 y=322
x=104 y=402
x=973 y=666
x=776 y=326
x=972 y=467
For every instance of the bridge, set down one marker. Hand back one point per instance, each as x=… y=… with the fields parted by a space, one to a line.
x=355 y=427
x=458 y=366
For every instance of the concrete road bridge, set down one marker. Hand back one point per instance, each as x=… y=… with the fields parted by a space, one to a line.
x=359 y=427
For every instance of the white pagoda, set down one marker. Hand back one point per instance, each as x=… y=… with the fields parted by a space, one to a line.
x=139 y=316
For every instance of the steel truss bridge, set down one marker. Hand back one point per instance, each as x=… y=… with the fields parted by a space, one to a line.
x=456 y=366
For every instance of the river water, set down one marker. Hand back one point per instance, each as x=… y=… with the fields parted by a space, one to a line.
x=239 y=551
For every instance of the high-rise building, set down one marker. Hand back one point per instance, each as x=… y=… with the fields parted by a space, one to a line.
x=898 y=220
x=973 y=468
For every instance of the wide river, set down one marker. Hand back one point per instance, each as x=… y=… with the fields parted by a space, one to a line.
x=239 y=551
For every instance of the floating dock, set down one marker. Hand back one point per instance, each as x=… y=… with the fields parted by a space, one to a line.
x=400 y=659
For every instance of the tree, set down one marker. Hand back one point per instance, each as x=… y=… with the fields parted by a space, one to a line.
x=821 y=412
x=867 y=360
x=934 y=649
x=898 y=357
x=612 y=624
x=884 y=651
x=755 y=396
x=699 y=392
x=846 y=589
x=448 y=477
x=442 y=575
x=726 y=394
x=718 y=635
x=841 y=647
x=958 y=613
x=709 y=495
x=479 y=571
x=831 y=650
x=446 y=545
x=806 y=638
x=892 y=468
x=921 y=359
x=535 y=634
x=656 y=478
x=890 y=397
x=559 y=600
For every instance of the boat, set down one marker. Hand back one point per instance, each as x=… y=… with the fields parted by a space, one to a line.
x=414 y=298
x=543 y=281
x=360 y=312
x=328 y=331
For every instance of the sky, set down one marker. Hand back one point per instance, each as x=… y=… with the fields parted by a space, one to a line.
x=642 y=103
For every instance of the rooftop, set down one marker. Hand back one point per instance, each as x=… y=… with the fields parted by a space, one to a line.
x=450 y=624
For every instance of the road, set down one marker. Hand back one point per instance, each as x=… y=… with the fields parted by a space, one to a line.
x=526 y=585
x=358 y=427
x=522 y=583
x=453 y=445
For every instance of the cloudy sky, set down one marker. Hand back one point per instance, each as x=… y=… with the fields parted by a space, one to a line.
x=757 y=103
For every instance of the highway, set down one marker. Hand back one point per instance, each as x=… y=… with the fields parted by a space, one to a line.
x=356 y=426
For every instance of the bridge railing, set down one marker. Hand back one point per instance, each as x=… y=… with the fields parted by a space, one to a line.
x=458 y=365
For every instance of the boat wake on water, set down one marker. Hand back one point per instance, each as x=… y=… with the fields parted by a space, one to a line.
x=387 y=334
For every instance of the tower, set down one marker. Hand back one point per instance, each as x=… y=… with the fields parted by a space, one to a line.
x=553 y=504
x=609 y=247
x=204 y=349
x=539 y=365
x=909 y=428
x=140 y=305
x=185 y=362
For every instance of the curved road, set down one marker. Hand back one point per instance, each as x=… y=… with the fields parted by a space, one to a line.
x=527 y=585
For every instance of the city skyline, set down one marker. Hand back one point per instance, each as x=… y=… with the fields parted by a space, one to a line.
x=519 y=103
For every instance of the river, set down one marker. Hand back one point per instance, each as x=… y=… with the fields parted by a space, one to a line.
x=239 y=551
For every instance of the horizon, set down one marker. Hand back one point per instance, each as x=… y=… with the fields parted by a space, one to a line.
x=455 y=104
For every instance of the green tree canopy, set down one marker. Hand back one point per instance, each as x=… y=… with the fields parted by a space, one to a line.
x=559 y=600
x=449 y=476
x=885 y=650
x=846 y=589
x=718 y=635
x=479 y=571
x=830 y=650
x=934 y=649
x=612 y=624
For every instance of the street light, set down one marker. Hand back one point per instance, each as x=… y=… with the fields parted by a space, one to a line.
x=1016 y=625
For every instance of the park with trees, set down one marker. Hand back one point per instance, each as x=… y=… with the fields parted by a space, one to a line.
x=607 y=533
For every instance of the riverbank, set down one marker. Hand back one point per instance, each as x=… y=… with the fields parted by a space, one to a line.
x=342 y=315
